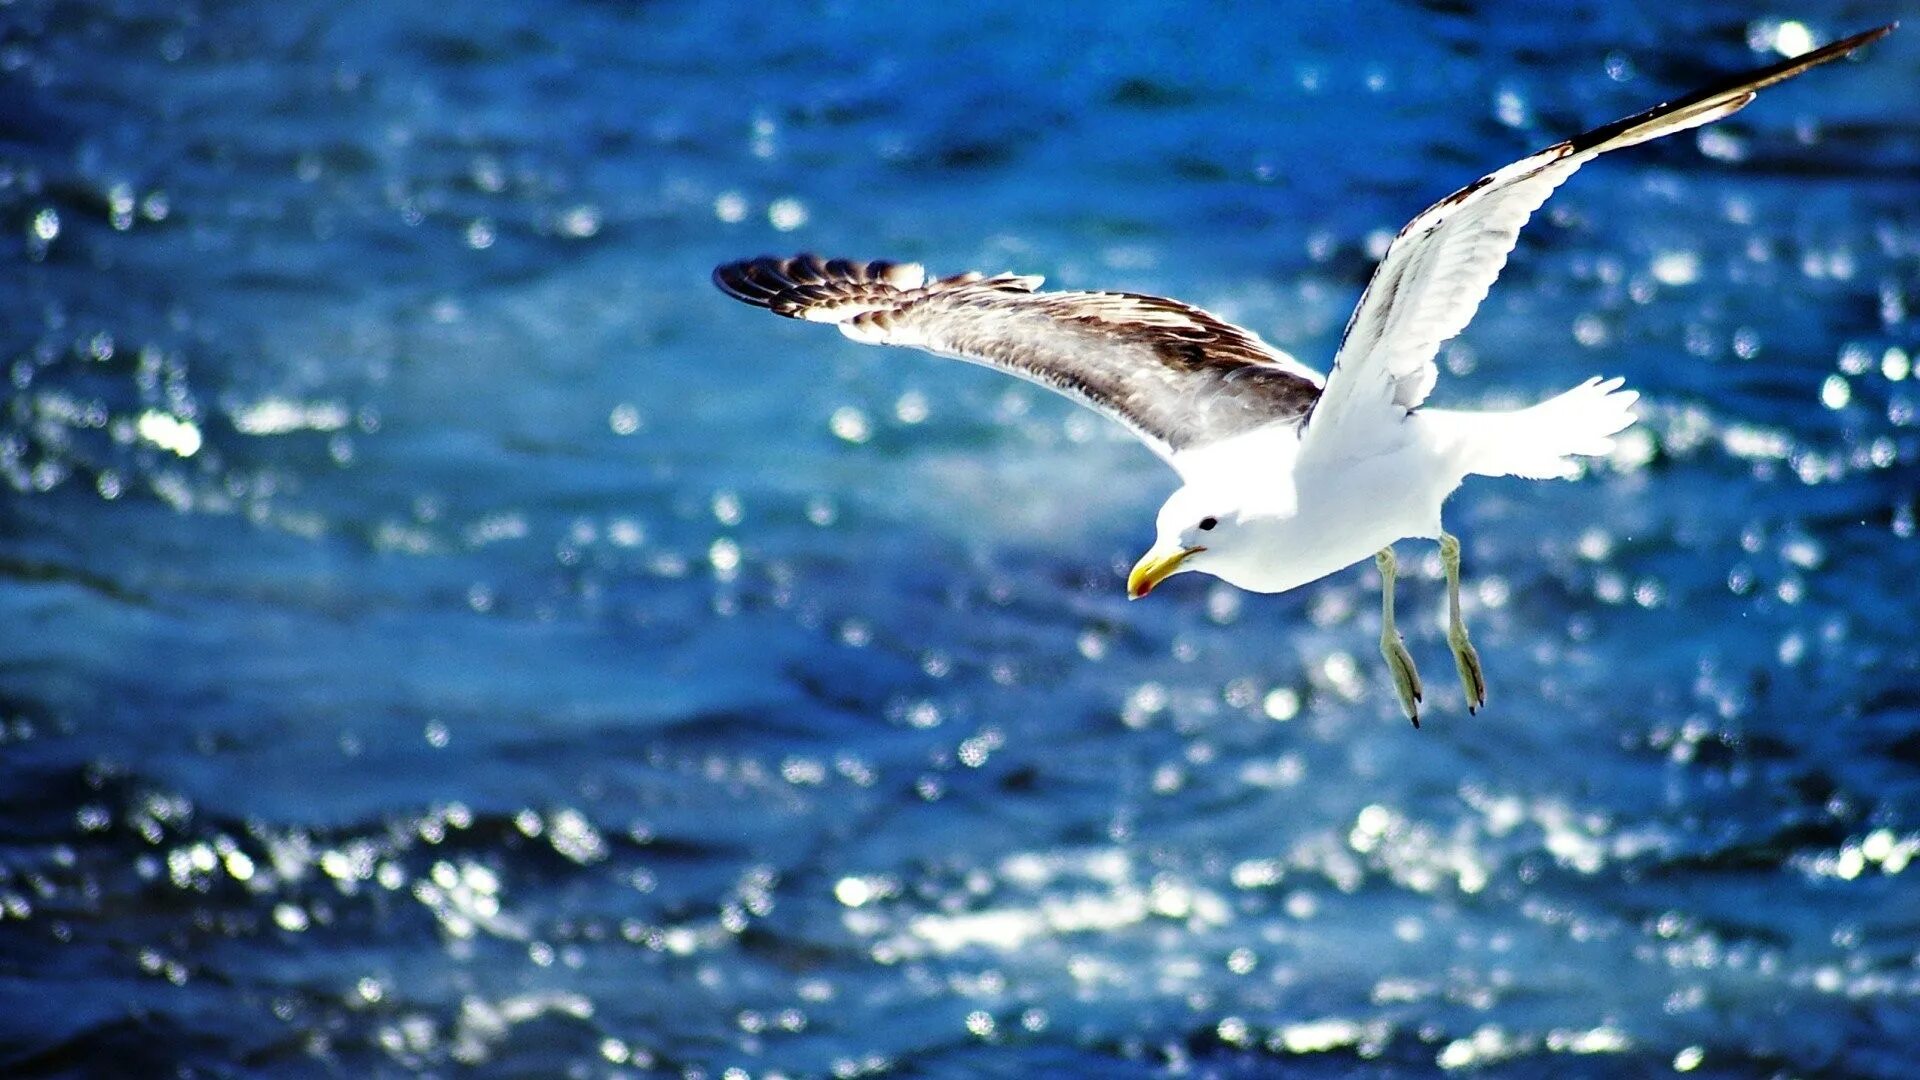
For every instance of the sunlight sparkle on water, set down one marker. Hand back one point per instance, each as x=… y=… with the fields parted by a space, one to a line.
x=169 y=432
x=459 y=640
x=278 y=416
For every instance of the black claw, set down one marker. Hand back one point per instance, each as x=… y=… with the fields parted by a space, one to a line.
x=1416 y=722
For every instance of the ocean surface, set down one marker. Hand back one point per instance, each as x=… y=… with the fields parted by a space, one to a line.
x=441 y=635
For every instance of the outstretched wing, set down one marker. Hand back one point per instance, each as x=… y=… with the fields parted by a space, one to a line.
x=1438 y=270
x=1179 y=377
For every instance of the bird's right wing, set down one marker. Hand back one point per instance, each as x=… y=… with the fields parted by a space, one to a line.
x=1438 y=270
x=1178 y=377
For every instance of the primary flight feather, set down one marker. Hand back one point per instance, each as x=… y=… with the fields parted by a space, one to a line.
x=1288 y=476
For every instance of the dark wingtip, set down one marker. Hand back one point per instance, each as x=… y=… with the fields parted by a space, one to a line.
x=1749 y=83
x=1848 y=44
x=791 y=286
x=1874 y=34
x=758 y=280
x=1794 y=65
x=731 y=278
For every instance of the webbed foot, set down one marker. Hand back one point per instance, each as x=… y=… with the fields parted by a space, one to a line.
x=1406 y=677
x=1472 y=679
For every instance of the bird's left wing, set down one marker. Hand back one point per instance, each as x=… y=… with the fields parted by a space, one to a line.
x=1438 y=270
x=1180 y=378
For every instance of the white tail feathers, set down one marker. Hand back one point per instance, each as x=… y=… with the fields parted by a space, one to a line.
x=1540 y=443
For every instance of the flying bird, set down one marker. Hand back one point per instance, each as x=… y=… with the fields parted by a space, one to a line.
x=1287 y=476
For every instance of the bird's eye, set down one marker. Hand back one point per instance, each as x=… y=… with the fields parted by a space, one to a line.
x=1207 y=523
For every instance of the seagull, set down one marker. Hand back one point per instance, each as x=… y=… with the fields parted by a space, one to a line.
x=1287 y=476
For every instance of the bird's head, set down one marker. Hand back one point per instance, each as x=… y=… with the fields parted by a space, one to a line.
x=1196 y=528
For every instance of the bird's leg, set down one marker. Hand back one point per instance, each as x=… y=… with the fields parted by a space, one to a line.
x=1406 y=680
x=1464 y=658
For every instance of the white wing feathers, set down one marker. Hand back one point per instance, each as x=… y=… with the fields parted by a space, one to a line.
x=1438 y=270
x=1187 y=381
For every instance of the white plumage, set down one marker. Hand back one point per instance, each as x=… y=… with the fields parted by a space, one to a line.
x=1287 y=476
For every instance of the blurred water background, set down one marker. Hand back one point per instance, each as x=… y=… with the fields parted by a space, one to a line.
x=441 y=634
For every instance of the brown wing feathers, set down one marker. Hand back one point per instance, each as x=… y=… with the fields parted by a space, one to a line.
x=835 y=290
x=1177 y=375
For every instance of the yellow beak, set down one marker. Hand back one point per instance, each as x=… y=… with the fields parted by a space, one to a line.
x=1155 y=567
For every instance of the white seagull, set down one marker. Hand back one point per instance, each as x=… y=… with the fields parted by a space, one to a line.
x=1287 y=476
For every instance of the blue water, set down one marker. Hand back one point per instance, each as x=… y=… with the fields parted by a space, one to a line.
x=443 y=635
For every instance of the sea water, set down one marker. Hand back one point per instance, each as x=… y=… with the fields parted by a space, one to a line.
x=441 y=634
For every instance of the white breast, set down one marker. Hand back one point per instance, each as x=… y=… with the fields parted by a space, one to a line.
x=1340 y=517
